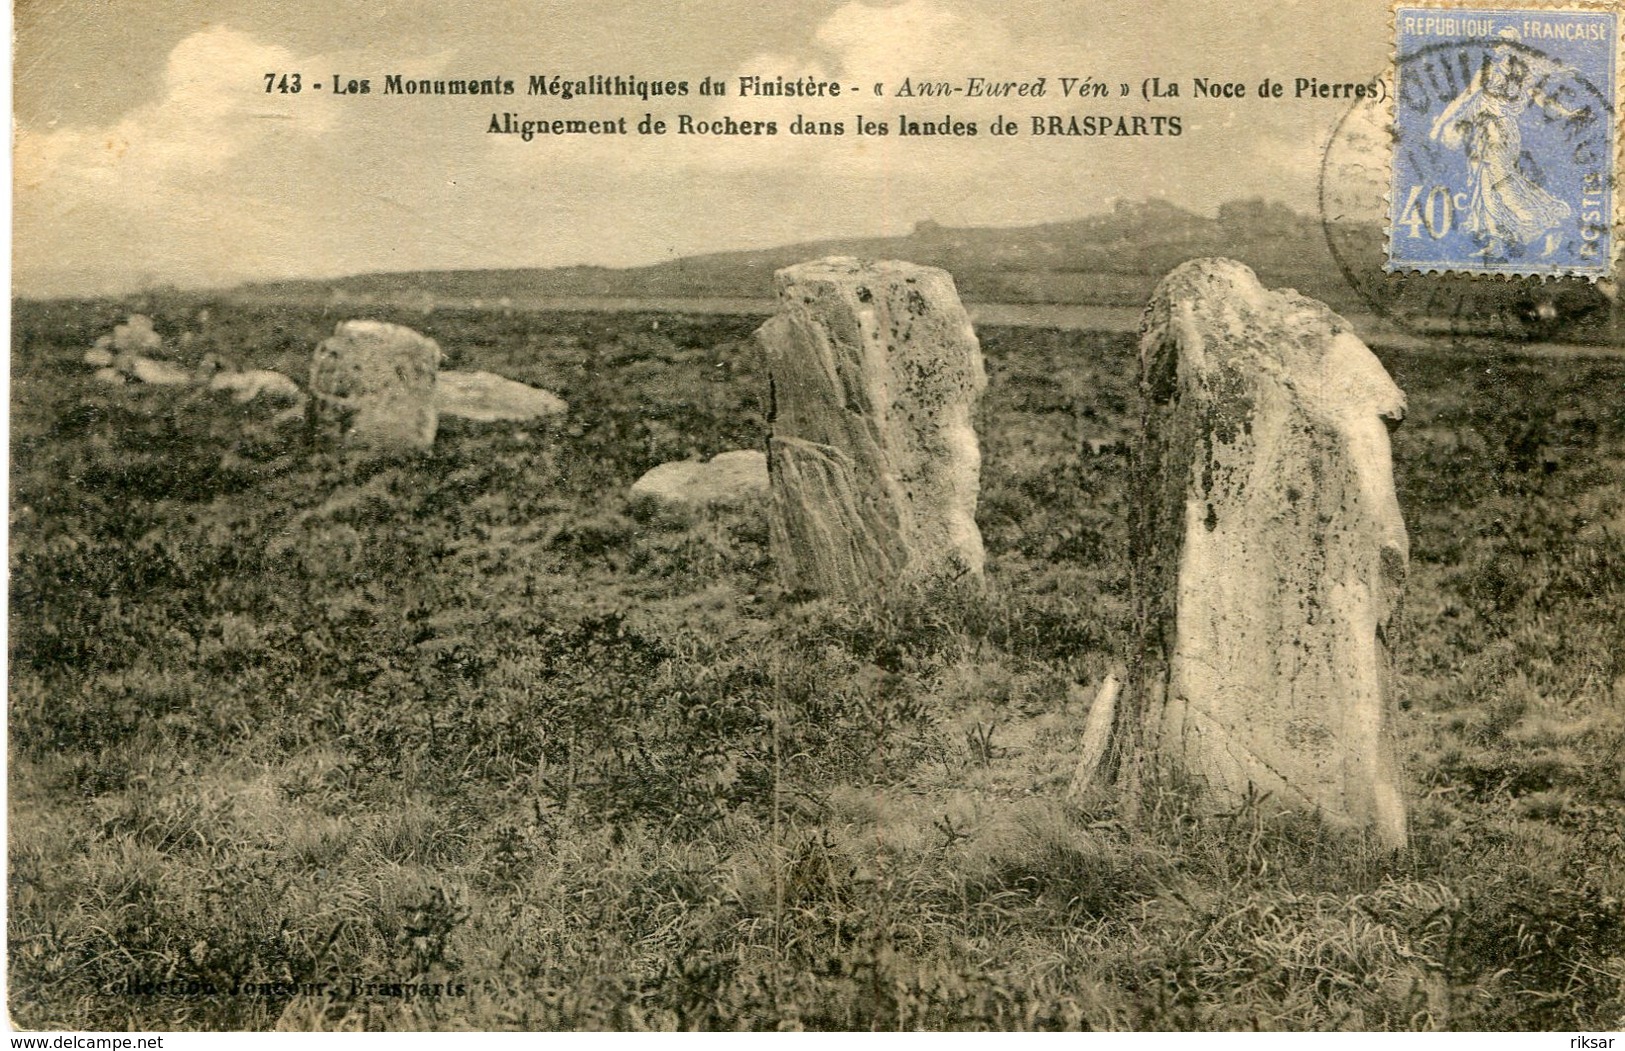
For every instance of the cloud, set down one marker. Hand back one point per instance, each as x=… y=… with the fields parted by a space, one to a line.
x=918 y=38
x=214 y=180
x=856 y=46
x=166 y=179
x=204 y=120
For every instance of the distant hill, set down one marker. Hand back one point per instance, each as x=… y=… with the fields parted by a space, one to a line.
x=1110 y=259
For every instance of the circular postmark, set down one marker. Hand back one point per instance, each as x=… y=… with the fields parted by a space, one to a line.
x=1478 y=199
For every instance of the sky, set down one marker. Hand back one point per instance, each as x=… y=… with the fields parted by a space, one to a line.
x=147 y=150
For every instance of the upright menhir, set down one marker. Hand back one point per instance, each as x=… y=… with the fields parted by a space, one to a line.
x=1268 y=553
x=873 y=459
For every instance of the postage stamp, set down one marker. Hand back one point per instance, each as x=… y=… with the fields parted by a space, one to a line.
x=1506 y=133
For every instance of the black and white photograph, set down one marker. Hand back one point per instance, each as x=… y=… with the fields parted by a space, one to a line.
x=857 y=515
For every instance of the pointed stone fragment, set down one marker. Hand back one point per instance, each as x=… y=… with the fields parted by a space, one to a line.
x=873 y=460
x=1269 y=552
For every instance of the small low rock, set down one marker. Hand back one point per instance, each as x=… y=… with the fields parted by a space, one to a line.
x=486 y=398
x=109 y=375
x=250 y=384
x=99 y=356
x=730 y=477
x=136 y=336
x=158 y=373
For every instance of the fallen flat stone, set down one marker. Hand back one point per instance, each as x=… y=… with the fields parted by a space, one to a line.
x=110 y=376
x=1268 y=553
x=251 y=384
x=99 y=356
x=874 y=463
x=731 y=477
x=157 y=373
x=372 y=385
x=487 y=398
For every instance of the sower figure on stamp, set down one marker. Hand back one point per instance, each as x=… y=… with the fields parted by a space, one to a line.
x=1506 y=206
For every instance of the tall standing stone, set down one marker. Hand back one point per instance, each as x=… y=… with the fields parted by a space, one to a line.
x=373 y=384
x=1269 y=552
x=873 y=461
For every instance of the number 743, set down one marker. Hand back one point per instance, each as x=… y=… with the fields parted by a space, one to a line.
x=286 y=83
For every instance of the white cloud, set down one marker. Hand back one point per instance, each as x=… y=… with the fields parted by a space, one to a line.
x=215 y=180
x=162 y=184
x=858 y=45
x=919 y=38
x=207 y=117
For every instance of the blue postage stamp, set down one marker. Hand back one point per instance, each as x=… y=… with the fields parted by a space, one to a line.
x=1506 y=136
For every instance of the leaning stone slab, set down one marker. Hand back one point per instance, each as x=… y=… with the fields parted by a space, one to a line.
x=372 y=385
x=487 y=398
x=1268 y=551
x=873 y=459
x=727 y=478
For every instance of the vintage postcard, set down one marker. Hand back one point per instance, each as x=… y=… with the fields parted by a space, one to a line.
x=908 y=515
